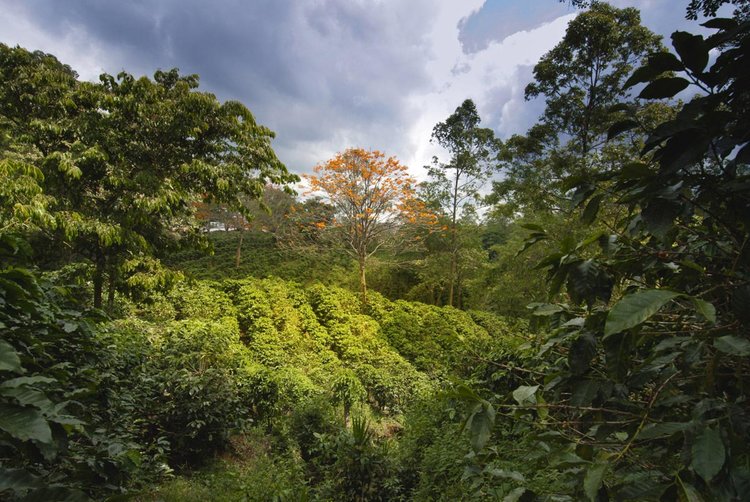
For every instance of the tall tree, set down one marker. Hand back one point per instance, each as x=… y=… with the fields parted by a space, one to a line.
x=126 y=158
x=580 y=79
x=371 y=195
x=456 y=183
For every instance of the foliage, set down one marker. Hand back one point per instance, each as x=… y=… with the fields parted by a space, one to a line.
x=472 y=149
x=644 y=395
x=371 y=195
x=581 y=79
x=124 y=158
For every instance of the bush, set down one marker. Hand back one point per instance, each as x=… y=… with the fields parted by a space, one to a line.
x=188 y=383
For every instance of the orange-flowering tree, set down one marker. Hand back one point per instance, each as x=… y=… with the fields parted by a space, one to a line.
x=372 y=195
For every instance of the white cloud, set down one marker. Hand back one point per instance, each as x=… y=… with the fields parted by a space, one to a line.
x=490 y=77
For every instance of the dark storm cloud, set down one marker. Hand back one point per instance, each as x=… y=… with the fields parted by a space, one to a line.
x=311 y=71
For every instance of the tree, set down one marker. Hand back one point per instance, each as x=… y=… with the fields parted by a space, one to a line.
x=456 y=184
x=371 y=195
x=581 y=79
x=663 y=367
x=126 y=158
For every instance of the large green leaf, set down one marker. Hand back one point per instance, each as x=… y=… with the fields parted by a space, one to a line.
x=733 y=345
x=708 y=454
x=29 y=396
x=18 y=480
x=481 y=426
x=664 y=88
x=24 y=423
x=620 y=127
x=525 y=394
x=687 y=492
x=663 y=430
x=635 y=308
x=692 y=50
x=593 y=480
x=657 y=64
x=9 y=360
x=582 y=352
x=705 y=309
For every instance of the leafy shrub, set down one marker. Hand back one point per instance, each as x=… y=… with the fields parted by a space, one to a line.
x=201 y=300
x=55 y=441
x=356 y=465
x=190 y=381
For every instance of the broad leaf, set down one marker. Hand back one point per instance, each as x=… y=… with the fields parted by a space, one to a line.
x=592 y=209
x=708 y=454
x=620 y=127
x=720 y=23
x=705 y=309
x=593 y=480
x=636 y=308
x=18 y=480
x=525 y=393
x=481 y=427
x=657 y=64
x=733 y=345
x=24 y=423
x=582 y=351
x=663 y=430
x=687 y=492
x=664 y=88
x=9 y=360
x=692 y=50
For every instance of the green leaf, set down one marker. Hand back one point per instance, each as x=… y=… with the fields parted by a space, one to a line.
x=705 y=309
x=657 y=64
x=687 y=492
x=620 y=127
x=481 y=426
x=664 y=88
x=733 y=345
x=592 y=209
x=584 y=393
x=547 y=309
x=593 y=480
x=29 y=396
x=9 y=360
x=18 y=479
x=17 y=382
x=720 y=23
x=663 y=430
x=708 y=454
x=634 y=170
x=532 y=226
x=503 y=473
x=692 y=50
x=24 y=423
x=525 y=393
x=514 y=495
x=659 y=215
x=582 y=352
x=635 y=308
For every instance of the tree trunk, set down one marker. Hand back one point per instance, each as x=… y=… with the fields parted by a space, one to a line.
x=454 y=251
x=347 y=415
x=98 y=279
x=459 y=292
x=111 y=289
x=238 y=255
x=362 y=280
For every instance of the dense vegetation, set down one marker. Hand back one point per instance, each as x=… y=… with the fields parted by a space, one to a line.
x=143 y=357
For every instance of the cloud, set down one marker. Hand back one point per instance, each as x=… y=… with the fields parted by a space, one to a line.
x=324 y=74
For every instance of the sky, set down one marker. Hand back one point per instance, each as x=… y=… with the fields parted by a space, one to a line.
x=326 y=75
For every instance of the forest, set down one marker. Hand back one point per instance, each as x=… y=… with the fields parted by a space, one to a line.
x=560 y=315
